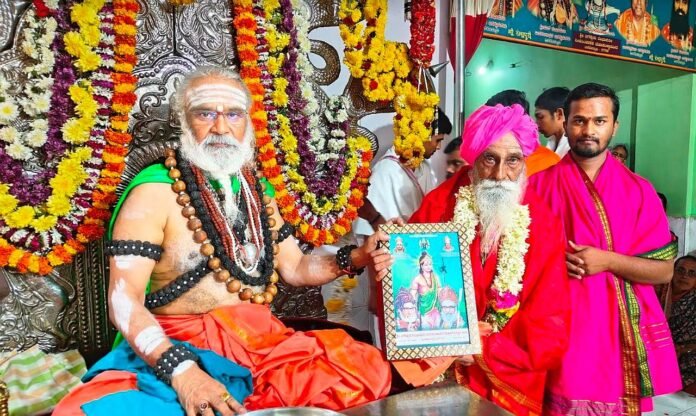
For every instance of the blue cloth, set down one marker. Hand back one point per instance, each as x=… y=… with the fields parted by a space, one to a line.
x=155 y=397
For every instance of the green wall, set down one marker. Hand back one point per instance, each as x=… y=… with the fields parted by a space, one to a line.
x=625 y=134
x=539 y=68
x=666 y=142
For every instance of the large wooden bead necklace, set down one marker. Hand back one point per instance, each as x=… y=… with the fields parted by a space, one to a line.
x=225 y=247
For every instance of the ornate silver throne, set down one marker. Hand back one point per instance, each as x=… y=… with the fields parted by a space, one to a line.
x=67 y=309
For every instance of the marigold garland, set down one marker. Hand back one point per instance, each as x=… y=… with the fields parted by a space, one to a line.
x=35 y=238
x=387 y=74
x=272 y=46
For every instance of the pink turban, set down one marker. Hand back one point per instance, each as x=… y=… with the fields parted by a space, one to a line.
x=488 y=124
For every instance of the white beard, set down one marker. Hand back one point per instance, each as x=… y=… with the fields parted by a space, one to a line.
x=449 y=320
x=220 y=163
x=497 y=201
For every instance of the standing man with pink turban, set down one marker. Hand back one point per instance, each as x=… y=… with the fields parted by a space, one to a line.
x=619 y=246
x=518 y=262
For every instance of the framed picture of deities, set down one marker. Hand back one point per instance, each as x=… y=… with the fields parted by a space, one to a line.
x=428 y=293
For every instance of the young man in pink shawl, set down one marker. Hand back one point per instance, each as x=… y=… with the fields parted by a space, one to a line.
x=618 y=246
x=518 y=262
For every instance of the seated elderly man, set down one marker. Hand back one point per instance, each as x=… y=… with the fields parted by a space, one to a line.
x=201 y=235
x=518 y=262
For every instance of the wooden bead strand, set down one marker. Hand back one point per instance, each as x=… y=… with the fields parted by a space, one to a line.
x=194 y=224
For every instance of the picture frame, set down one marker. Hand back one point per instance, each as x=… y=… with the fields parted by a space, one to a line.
x=429 y=302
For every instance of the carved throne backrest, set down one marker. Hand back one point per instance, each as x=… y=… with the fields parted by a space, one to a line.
x=68 y=308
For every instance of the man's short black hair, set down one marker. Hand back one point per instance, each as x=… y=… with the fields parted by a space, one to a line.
x=454 y=145
x=552 y=99
x=442 y=123
x=663 y=198
x=592 y=90
x=508 y=98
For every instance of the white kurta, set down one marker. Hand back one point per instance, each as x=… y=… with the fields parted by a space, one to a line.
x=561 y=148
x=395 y=190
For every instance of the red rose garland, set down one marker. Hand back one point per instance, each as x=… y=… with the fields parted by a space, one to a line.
x=422 y=32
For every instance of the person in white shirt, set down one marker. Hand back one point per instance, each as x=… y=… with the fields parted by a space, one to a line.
x=548 y=111
x=396 y=190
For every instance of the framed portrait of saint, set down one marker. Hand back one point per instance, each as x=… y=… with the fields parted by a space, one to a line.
x=428 y=293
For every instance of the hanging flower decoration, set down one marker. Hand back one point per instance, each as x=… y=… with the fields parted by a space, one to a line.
x=387 y=74
x=422 y=43
x=324 y=177
x=504 y=293
x=415 y=111
x=63 y=136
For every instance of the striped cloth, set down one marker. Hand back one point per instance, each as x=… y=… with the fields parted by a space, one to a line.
x=37 y=381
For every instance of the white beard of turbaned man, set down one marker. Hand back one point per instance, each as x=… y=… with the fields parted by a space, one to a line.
x=220 y=163
x=496 y=202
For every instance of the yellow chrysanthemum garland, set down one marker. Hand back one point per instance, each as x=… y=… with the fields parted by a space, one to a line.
x=77 y=129
x=384 y=68
x=82 y=44
x=415 y=111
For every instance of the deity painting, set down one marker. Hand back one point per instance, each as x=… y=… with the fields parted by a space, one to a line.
x=678 y=32
x=597 y=13
x=425 y=288
x=637 y=25
x=428 y=292
x=505 y=8
x=556 y=12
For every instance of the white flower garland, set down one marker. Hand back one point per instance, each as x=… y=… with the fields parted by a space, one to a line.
x=34 y=100
x=511 y=252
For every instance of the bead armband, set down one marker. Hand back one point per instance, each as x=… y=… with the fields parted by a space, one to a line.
x=344 y=263
x=133 y=247
x=286 y=230
x=170 y=359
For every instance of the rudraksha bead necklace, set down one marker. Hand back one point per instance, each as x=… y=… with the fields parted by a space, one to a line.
x=206 y=219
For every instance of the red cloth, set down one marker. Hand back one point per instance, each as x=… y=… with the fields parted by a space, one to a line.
x=513 y=367
x=325 y=368
x=476 y=15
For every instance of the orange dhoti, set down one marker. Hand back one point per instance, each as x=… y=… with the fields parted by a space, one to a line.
x=325 y=368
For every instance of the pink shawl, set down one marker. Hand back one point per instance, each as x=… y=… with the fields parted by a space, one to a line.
x=621 y=350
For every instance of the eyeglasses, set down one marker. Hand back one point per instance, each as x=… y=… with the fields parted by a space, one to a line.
x=690 y=273
x=232 y=117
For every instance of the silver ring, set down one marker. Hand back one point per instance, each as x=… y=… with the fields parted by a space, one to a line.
x=202 y=407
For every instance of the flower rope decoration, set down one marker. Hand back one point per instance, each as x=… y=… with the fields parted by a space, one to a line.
x=507 y=285
x=388 y=75
x=80 y=88
x=422 y=43
x=320 y=181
